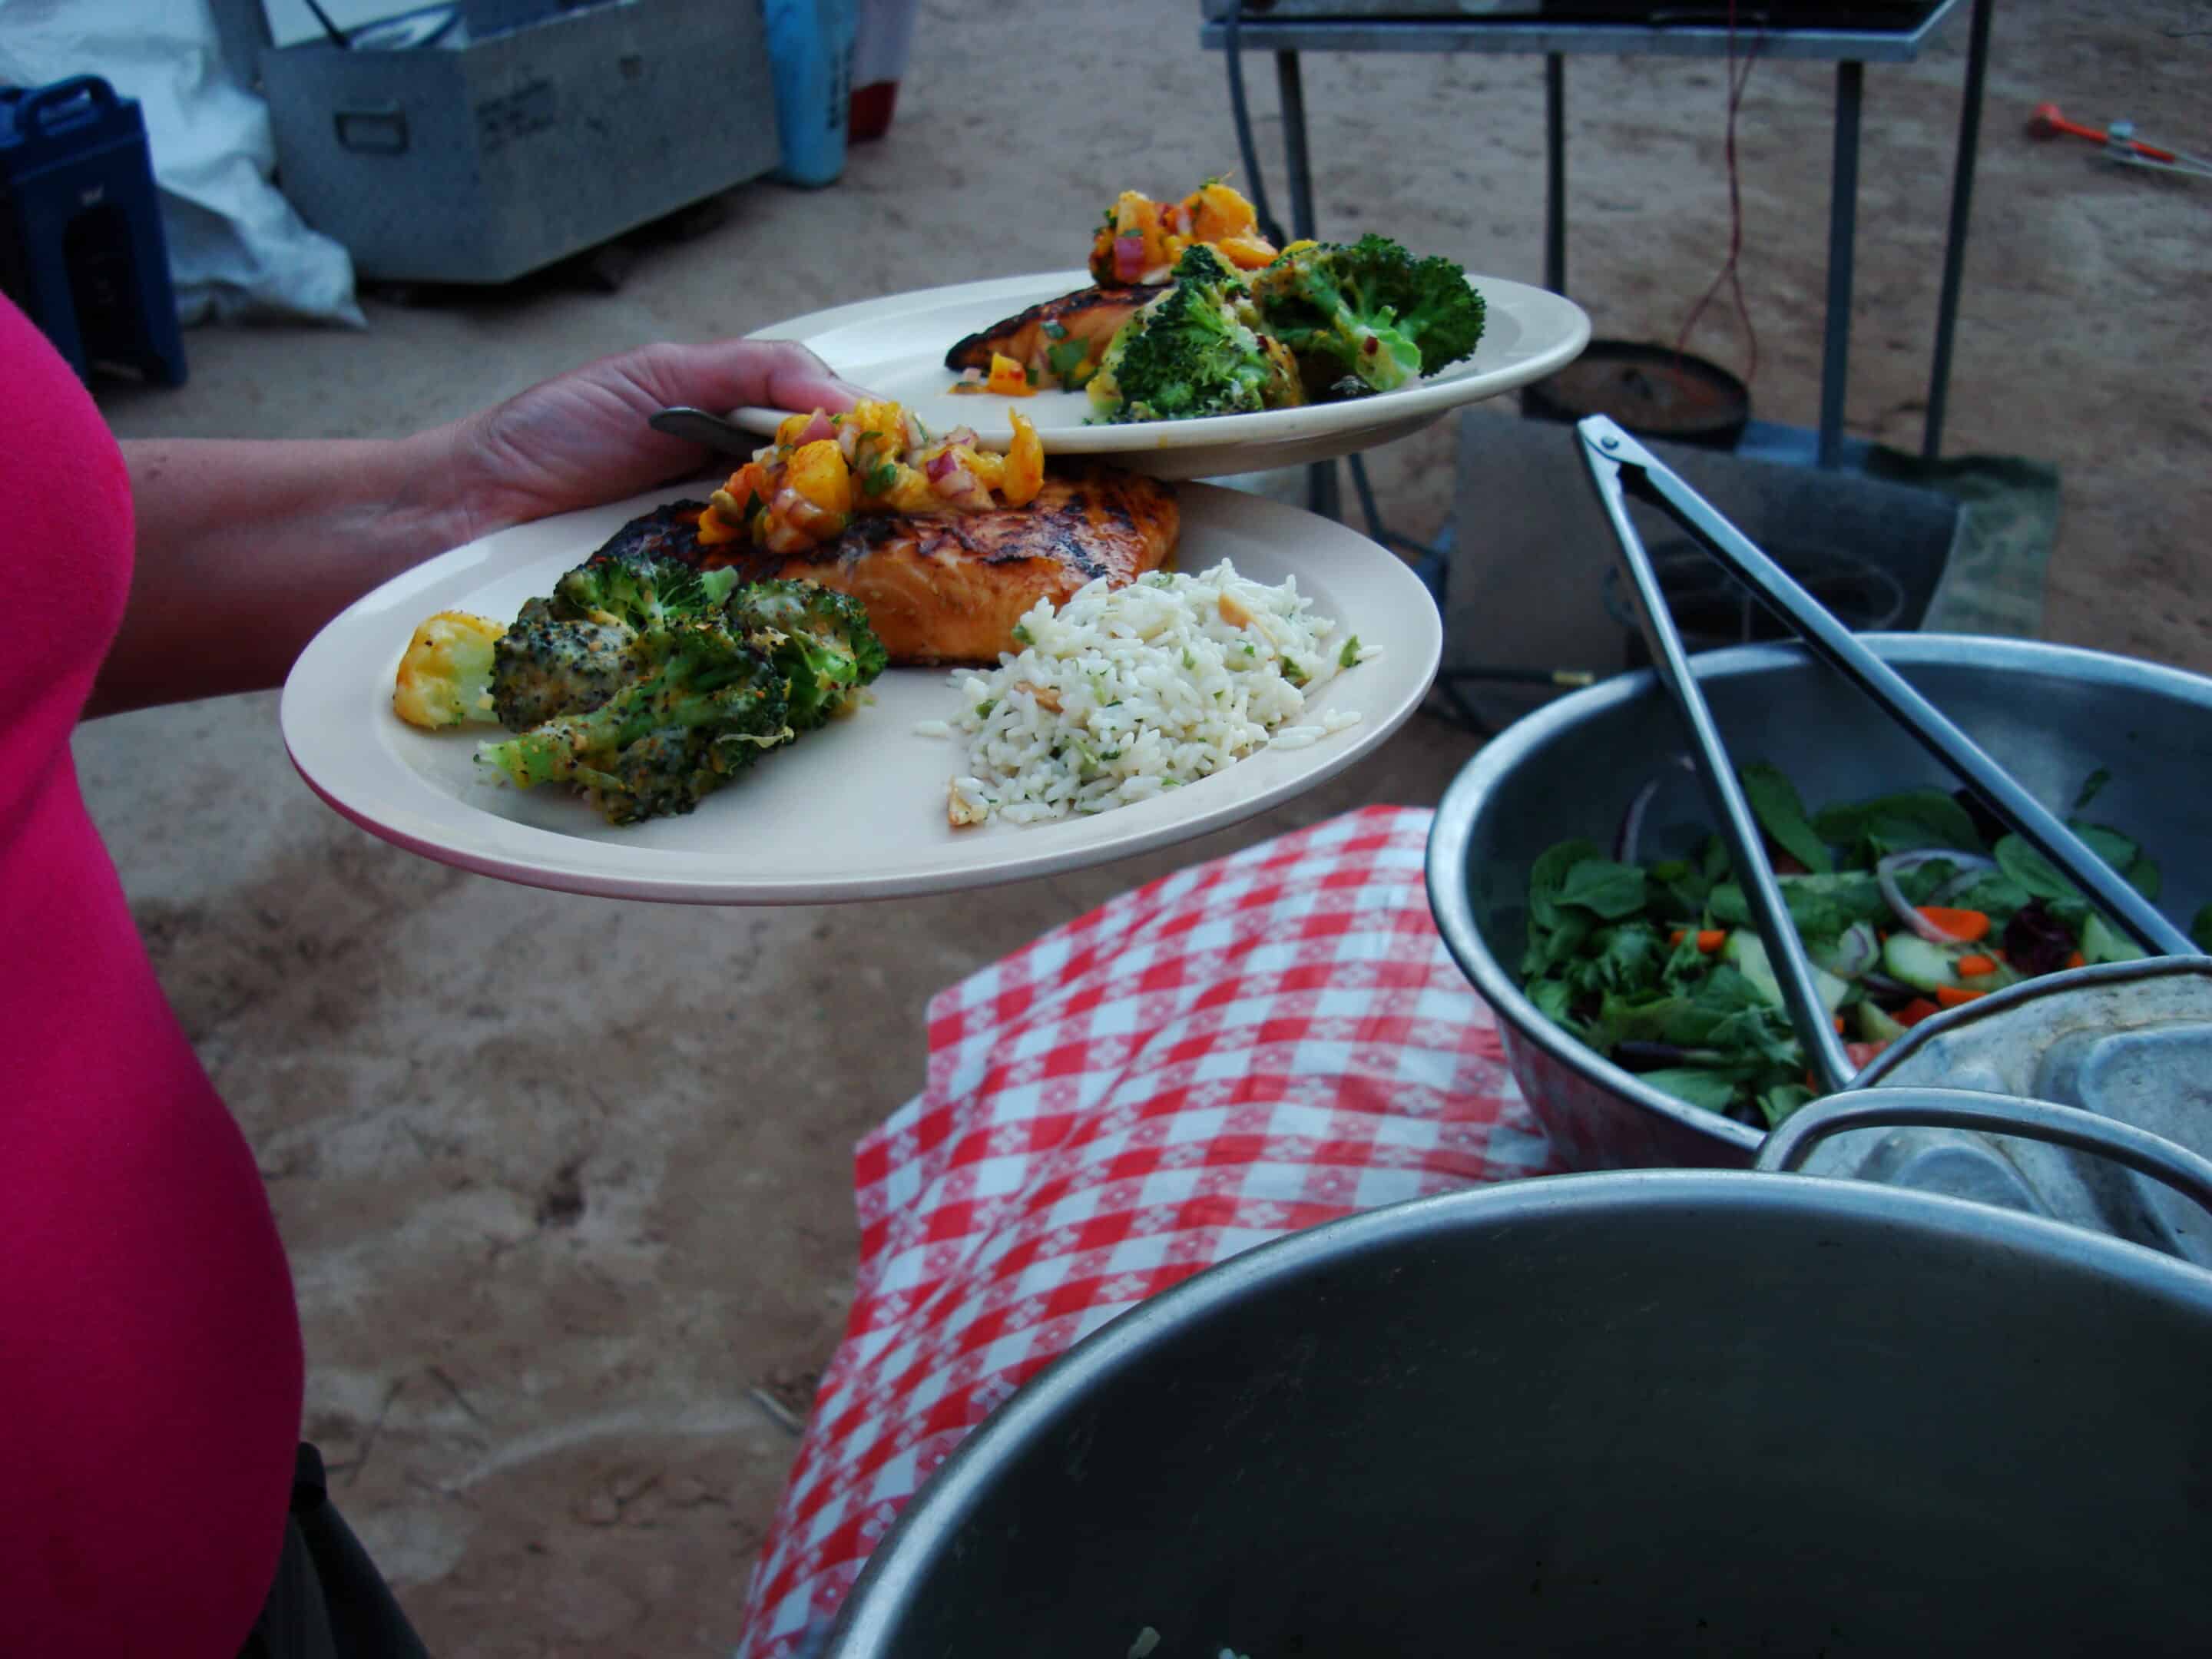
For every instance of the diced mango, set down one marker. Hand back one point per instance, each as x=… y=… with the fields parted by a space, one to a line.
x=1023 y=475
x=1246 y=253
x=1218 y=212
x=714 y=529
x=818 y=472
x=1007 y=378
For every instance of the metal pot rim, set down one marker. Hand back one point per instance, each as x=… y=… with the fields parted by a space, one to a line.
x=1452 y=829
x=896 y=1569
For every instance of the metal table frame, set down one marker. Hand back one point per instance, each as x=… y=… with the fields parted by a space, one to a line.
x=1228 y=26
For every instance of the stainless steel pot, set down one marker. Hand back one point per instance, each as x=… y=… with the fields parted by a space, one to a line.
x=1679 y=1411
x=2050 y=714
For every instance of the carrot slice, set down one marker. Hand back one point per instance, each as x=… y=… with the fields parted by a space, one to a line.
x=1951 y=995
x=1710 y=939
x=1966 y=927
x=1975 y=967
x=2077 y=960
x=1915 y=1011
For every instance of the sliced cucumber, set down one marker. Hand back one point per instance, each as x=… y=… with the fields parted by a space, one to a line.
x=2102 y=942
x=1852 y=953
x=1913 y=961
x=1875 y=1026
x=1746 y=952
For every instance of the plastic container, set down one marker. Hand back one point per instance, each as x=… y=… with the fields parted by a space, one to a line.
x=810 y=44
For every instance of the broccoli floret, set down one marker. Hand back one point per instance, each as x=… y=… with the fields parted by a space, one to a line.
x=445 y=675
x=705 y=707
x=819 y=639
x=639 y=587
x=548 y=665
x=1196 y=350
x=570 y=652
x=1368 y=312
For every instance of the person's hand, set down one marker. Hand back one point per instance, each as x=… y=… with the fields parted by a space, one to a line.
x=581 y=440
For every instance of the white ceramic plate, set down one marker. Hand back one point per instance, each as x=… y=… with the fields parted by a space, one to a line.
x=896 y=347
x=854 y=810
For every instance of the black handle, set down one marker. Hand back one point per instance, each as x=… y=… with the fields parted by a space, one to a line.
x=42 y=107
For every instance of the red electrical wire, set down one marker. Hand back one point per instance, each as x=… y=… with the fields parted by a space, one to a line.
x=1730 y=271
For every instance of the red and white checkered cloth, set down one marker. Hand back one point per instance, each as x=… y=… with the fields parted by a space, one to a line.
x=1243 y=1050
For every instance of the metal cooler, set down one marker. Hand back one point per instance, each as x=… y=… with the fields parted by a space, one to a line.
x=481 y=157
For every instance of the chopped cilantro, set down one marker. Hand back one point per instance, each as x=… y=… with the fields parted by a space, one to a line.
x=1350 y=654
x=1022 y=635
x=1293 y=673
x=1188 y=661
x=1250 y=649
x=983 y=709
x=1054 y=331
x=881 y=478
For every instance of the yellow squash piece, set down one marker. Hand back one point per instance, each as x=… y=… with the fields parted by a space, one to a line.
x=445 y=677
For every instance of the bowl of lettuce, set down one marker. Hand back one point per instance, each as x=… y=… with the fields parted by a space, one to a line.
x=1575 y=876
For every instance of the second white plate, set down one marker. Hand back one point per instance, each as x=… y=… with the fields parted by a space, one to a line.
x=895 y=347
x=855 y=811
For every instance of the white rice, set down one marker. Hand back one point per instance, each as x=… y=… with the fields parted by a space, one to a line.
x=1126 y=693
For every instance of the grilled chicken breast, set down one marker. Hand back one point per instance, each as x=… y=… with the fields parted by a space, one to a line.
x=948 y=588
x=1093 y=315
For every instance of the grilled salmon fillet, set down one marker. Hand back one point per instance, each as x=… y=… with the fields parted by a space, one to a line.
x=1093 y=315
x=948 y=588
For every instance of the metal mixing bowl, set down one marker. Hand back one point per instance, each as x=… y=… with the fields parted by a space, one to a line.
x=2050 y=714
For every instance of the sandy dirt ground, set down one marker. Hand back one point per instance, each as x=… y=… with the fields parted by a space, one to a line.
x=564 y=1181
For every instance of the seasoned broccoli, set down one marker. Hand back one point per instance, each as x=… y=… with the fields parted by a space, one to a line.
x=704 y=708
x=569 y=654
x=548 y=665
x=445 y=675
x=640 y=587
x=650 y=720
x=1367 y=316
x=1196 y=350
x=818 y=638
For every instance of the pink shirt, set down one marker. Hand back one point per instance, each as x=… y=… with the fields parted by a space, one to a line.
x=149 y=1349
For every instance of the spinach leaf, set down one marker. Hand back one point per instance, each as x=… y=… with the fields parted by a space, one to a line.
x=1611 y=890
x=2041 y=878
x=1551 y=997
x=1774 y=802
x=2090 y=787
x=1777 y=1102
x=1901 y=822
x=1714 y=1090
x=1555 y=933
x=1821 y=906
x=2030 y=871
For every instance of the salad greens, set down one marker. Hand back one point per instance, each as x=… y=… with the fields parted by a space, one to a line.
x=1907 y=903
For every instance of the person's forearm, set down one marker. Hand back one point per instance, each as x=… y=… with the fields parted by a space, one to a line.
x=246 y=549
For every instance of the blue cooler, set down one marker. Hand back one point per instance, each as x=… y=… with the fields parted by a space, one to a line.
x=82 y=250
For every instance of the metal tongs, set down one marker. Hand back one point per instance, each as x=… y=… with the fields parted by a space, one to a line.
x=1621 y=467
